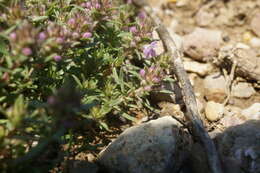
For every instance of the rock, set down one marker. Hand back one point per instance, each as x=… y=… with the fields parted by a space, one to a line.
x=169 y=109
x=177 y=40
x=182 y=3
x=214 y=133
x=214 y=111
x=241 y=46
x=78 y=166
x=231 y=120
x=232 y=117
x=255 y=24
x=204 y=18
x=200 y=106
x=198 y=68
x=255 y=42
x=192 y=77
x=215 y=88
x=173 y=94
x=248 y=62
x=243 y=90
x=156 y=146
x=241 y=143
x=252 y=113
x=202 y=43
x=159 y=46
x=198 y=159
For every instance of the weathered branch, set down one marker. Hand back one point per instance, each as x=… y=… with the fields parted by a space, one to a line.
x=196 y=125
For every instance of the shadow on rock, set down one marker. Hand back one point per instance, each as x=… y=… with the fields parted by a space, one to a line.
x=238 y=148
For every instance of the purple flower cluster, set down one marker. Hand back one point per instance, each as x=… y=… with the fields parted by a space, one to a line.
x=27 y=39
x=149 y=50
x=152 y=75
x=91 y=5
x=141 y=30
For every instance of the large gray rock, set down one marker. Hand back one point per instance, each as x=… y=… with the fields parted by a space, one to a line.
x=215 y=87
x=241 y=145
x=156 y=146
x=77 y=166
x=202 y=44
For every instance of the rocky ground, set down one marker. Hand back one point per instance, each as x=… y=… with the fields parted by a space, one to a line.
x=221 y=44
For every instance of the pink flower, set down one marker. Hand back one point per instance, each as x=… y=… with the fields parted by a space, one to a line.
x=147 y=88
x=13 y=35
x=57 y=58
x=60 y=40
x=151 y=69
x=129 y=1
x=42 y=36
x=149 y=50
x=88 y=5
x=142 y=72
x=156 y=79
x=26 y=51
x=133 y=29
x=142 y=15
x=97 y=6
x=72 y=22
x=87 y=35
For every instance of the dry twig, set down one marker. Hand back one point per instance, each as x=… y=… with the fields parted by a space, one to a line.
x=196 y=125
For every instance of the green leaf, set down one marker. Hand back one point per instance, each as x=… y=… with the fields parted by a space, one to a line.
x=39 y=18
x=129 y=117
x=104 y=125
x=3 y=47
x=77 y=81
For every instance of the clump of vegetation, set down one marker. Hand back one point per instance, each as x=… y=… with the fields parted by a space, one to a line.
x=65 y=66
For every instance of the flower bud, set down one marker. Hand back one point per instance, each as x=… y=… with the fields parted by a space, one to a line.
x=142 y=72
x=97 y=6
x=72 y=22
x=87 y=35
x=13 y=35
x=27 y=51
x=57 y=58
x=133 y=29
x=42 y=36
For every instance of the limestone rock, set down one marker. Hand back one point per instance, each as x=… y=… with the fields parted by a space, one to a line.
x=204 y=18
x=214 y=111
x=156 y=146
x=253 y=112
x=243 y=90
x=215 y=87
x=255 y=42
x=232 y=117
x=202 y=43
x=201 y=69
